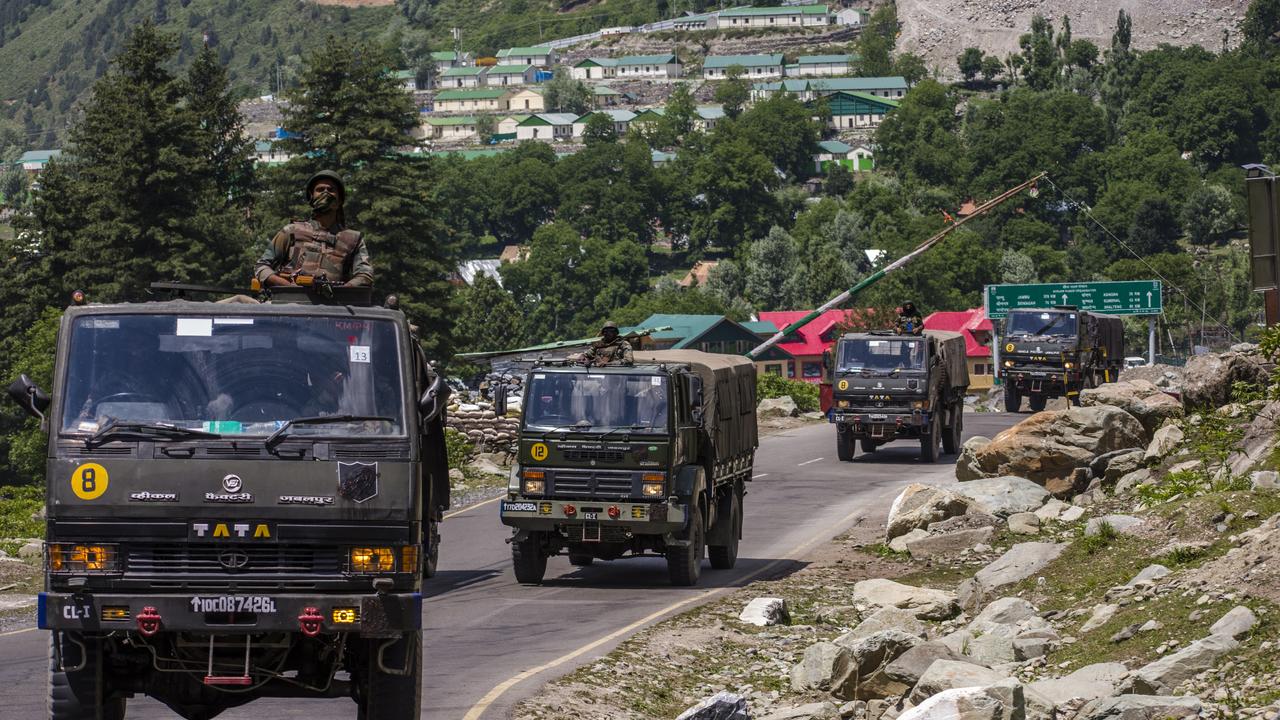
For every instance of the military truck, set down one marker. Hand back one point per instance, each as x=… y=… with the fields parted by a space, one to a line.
x=648 y=458
x=888 y=387
x=1057 y=352
x=243 y=500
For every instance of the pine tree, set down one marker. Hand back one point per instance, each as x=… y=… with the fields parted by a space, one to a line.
x=350 y=115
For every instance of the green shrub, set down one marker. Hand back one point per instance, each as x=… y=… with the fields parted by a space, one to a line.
x=457 y=447
x=18 y=507
x=804 y=394
x=1100 y=540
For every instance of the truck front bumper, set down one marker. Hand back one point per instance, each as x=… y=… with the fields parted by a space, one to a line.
x=880 y=424
x=1040 y=381
x=230 y=613
x=659 y=518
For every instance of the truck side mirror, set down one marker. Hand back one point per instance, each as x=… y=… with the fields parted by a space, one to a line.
x=29 y=397
x=827 y=364
x=434 y=399
x=500 y=399
x=695 y=399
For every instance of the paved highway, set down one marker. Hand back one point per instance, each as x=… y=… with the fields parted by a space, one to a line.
x=490 y=642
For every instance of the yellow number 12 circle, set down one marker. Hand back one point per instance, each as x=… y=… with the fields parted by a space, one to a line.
x=89 y=481
x=539 y=452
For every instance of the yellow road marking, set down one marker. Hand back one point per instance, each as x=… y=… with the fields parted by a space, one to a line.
x=469 y=508
x=480 y=707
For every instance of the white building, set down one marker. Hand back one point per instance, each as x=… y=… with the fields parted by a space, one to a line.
x=595 y=68
x=461 y=127
x=510 y=75
x=648 y=67
x=621 y=121
x=461 y=77
x=551 y=127
x=852 y=16
x=818 y=65
x=787 y=16
x=538 y=56
x=716 y=67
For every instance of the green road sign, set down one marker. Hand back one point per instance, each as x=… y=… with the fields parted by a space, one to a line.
x=1127 y=297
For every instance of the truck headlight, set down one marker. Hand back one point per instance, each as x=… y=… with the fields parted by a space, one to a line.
x=534 y=482
x=1068 y=365
x=70 y=558
x=1008 y=363
x=842 y=403
x=373 y=559
x=653 y=484
x=919 y=404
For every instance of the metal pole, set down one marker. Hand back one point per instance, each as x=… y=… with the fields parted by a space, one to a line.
x=1151 y=339
x=995 y=353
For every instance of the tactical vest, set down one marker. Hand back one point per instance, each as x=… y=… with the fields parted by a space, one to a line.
x=316 y=251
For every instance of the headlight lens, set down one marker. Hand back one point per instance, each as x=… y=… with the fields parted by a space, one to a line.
x=842 y=403
x=69 y=558
x=653 y=484
x=920 y=404
x=373 y=559
x=651 y=489
x=534 y=487
x=1008 y=363
x=1068 y=365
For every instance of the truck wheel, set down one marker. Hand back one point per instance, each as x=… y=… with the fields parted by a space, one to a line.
x=724 y=557
x=844 y=446
x=81 y=694
x=929 y=443
x=951 y=436
x=528 y=560
x=577 y=560
x=1012 y=400
x=392 y=689
x=868 y=445
x=684 y=564
x=1037 y=402
x=433 y=552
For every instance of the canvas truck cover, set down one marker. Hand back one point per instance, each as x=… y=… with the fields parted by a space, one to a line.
x=951 y=350
x=728 y=396
x=1106 y=331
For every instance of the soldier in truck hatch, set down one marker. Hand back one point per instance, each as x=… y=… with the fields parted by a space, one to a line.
x=322 y=246
x=909 y=321
x=610 y=348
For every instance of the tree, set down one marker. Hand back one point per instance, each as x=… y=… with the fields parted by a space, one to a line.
x=839 y=180
x=1210 y=215
x=783 y=130
x=486 y=128
x=1082 y=54
x=678 y=116
x=1261 y=25
x=1040 y=54
x=599 y=128
x=351 y=115
x=875 y=44
x=991 y=67
x=1017 y=268
x=772 y=280
x=918 y=140
x=733 y=92
x=732 y=186
x=970 y=63
x=23 y=444
x=609 y=192
x=911 y=67
x=562 y=93
x=668 y=297
x=487 y=317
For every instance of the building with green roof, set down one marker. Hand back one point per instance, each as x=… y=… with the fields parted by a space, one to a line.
x=462 y=77
x=510 y=75
x=594 y=68
x=820 y=65
x=538 y=56
x=784 y=16
x=852 y=110
x=649 y=66
x=472 y=100
x=716 y=67
x=453 y=127
x=710 y=333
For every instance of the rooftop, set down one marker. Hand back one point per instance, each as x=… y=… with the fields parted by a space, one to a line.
x=727 y=61
x=965 y=322
x=614 y=114
x=443 y=121
x=825 y=59
x=444 y=55
x=647 y=60
x=461 y=71
x=550 y=119
x=784 y=10
x=510 y=69
x=813 y=338
x=599 y=61
x=38 y=156
x=894 y=82
x=472 y=94
x=523 y=51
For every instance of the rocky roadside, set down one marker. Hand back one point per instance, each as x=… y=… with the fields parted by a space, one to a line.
x=1114 y=560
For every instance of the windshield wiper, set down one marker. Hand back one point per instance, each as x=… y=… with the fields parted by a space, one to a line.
x=116 y=429
x=607 y=433
x=278 y=436
x=580 y=425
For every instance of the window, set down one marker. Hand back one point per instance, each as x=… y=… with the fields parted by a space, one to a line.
x=774 y=369
x=979 y=369
x=812 y=369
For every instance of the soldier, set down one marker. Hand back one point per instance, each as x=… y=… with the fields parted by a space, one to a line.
x=909 y=321
x=610 y=348
x=320 y=247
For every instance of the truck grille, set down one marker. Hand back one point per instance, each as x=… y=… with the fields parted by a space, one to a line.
x=233 y=560
x=609 y=456
x=591 y=483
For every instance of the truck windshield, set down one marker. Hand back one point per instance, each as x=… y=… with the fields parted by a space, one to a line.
x=1053 y=324
x=233 y=375
x=599 y=400
x=884 y=355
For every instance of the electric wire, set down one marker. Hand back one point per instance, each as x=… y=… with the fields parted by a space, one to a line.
x=1085 y=208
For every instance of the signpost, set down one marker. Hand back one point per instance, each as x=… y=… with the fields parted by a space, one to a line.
x=1124 y=297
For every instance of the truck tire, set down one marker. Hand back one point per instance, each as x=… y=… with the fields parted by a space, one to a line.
x=1037 y=402
x=929 y=443
x=82 y=694
x=724 y=557
x=528 y=560
x=684 y=564
x=1012 y=400
x=868 y=445
x=951 y=436
x=393 y=695
x=844 y=446
x=577 y=560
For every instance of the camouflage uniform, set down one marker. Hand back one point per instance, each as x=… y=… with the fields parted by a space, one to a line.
x=908 y=315
x=605 y=353
x=307 y=248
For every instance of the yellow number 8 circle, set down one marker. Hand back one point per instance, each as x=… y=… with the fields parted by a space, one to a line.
x=844 y=385
x=89 y=481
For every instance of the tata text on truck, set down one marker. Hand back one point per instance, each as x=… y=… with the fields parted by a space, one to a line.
x=1057 y=352
x=890 y=387
x=649 y=458
x=242 y=503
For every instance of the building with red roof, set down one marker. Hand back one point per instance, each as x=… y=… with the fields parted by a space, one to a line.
x=808 y=343
x=977 y=331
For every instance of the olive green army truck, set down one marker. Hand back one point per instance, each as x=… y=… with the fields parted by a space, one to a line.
x=888 y=387
x=648 y=458
x=1057 y=352
x=242 y=503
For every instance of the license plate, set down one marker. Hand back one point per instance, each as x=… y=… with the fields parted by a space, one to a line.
x=590 y=516
x=519 y=507
x=878 y=418
x=259 y=604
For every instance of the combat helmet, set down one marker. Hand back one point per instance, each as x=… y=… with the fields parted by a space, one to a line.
x=331 y=176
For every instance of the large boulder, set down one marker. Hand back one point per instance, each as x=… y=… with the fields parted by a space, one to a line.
x=868 y=660
x=1140 y=707
x=764 y=611
x=1140 y=398
x=1237 y=623
x=825 y=710
x=944 y=675
x=824 y=666
x=888 y=618
x=777 y=407
x=912 y=664
x=1052 y=445
x=950 y=543
x=1163 y=675
x=1019 y=562
x=721 y=706
x=919 y=505
x=1004 y=496
x=1207 y=380
x=1259 y=441
x=967 y=467
x=1003 y=701
x=1088 y=683
x=924 y=603
x=1164 y=442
